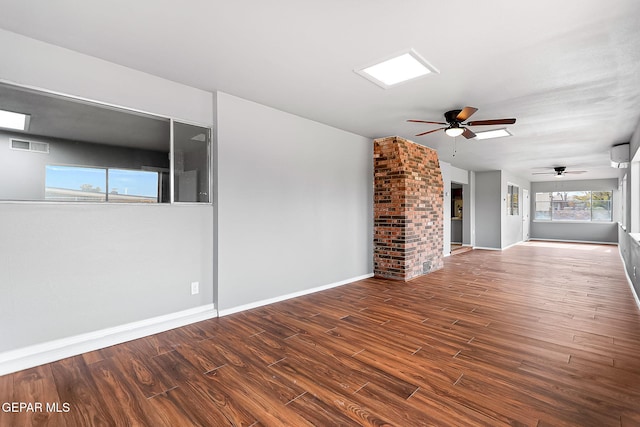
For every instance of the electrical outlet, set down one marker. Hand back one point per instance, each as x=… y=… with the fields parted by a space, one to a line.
x=195 y=288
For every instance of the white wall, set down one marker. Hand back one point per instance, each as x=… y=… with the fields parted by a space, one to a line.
x=469 y=210
x=494 y=229
x=30 y=62
x=445 y=170
x=588 y=232
x=629 y=244
x=295 y=204
x=72 y=269
x=512 y=224
x=453 y=174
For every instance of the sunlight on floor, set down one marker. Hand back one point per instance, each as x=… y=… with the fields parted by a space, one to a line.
x=572 y=246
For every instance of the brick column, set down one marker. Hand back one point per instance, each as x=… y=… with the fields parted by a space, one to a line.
x=408 y=209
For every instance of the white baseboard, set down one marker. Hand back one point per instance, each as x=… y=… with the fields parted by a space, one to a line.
x=572 y=241
x=28 y=357
x=257 y=304
x=629 y=281
x=486 y=249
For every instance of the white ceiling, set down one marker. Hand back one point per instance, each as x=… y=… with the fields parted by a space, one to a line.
x=569 y=71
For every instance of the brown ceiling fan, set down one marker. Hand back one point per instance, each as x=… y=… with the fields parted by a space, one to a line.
x=455 y=123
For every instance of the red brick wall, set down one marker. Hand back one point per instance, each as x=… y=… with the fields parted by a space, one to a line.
x=408 y=209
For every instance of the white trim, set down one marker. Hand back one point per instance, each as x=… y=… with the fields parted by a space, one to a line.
x=512 y=245
x=572 y=241
x=257 y=304
x=28 y=357
x=573 y=221
x=629 y=281
x=498 y=249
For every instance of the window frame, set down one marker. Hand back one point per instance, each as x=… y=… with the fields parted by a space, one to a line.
x=573 y=220
x=513 y=199
x=170 y=119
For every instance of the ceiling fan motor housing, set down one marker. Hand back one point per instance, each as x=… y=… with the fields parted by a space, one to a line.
x=451 y=116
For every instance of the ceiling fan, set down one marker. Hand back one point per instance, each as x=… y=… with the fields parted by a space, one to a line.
x=558 y=172
x=455 y=123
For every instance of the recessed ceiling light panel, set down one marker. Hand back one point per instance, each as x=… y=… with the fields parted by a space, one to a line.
x=399 y=68
x=496 y=133
x=11 y=120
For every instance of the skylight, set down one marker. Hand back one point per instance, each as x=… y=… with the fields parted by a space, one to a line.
x=11 y=120
x=496 y=133
x=402 y=67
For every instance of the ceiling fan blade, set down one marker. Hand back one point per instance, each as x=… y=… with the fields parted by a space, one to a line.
x=492 y=122
x=468 y=133
x=429 y=131
x=543 y=173
x=465 y=113
x=424 y=121
x=574 y=171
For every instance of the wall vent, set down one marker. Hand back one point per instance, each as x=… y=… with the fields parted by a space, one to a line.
x=36 y=147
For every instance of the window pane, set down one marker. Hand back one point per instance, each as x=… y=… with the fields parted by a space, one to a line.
x=74 y=183
x=571 y=206
x=543 y=206
x=133 y=186
x=191 y=163
x=513 y=208
x=601 y=206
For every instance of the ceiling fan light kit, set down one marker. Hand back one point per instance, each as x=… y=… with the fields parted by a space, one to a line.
x=454 y=131
x=456 y=126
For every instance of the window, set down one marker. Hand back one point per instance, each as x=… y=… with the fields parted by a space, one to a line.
x=79 y=151
x=513 y=203
x=76 y=183
x=191 y=163
x=592 y=206
x=132 y=186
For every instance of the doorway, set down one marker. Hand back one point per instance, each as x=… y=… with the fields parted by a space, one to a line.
x=457 y=217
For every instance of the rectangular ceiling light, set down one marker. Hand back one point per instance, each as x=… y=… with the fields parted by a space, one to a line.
x=399 y=68
x=496 y=133
x=11 y=120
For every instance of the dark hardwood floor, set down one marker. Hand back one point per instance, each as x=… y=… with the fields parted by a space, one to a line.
x=542 y=334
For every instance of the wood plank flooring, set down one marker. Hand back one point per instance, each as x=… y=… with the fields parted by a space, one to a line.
x=542 y=334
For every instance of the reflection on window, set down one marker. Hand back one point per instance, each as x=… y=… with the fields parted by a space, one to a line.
x=132 y=186
x=76 y=183
x=88 y=152
x=593 y=206
x=191 y=163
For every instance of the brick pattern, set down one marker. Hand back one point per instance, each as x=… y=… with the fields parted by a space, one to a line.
x=408 y=209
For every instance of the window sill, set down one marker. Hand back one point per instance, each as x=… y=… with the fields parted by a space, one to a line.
x=544 y=221
x=635 y=236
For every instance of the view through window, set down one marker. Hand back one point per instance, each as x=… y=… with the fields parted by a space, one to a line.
x=593 y=206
